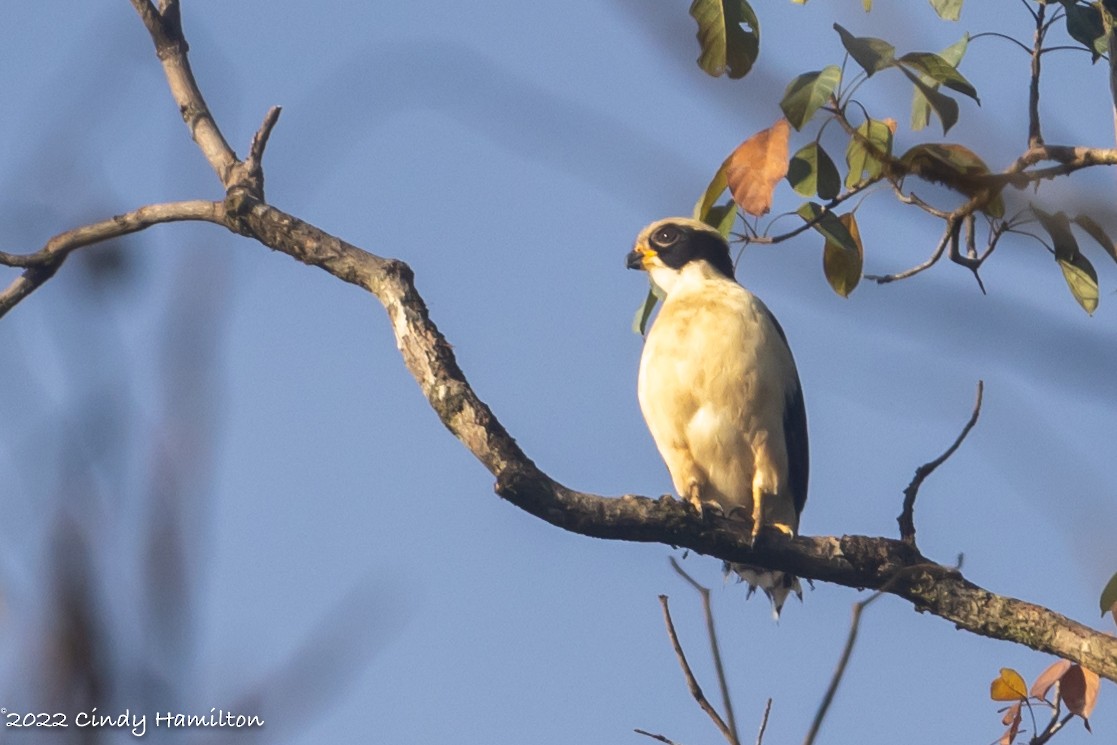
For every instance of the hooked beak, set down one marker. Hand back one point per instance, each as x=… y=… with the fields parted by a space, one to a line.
x=638 y=256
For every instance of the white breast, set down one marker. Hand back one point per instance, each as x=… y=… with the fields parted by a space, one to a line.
x=713 y=385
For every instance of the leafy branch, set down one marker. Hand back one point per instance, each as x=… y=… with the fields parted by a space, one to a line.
x=870 y=158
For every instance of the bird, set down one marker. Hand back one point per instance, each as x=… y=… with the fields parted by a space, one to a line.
x=720 y=392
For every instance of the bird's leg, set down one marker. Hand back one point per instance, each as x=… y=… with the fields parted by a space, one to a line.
x=760 y=497
x=694 y=495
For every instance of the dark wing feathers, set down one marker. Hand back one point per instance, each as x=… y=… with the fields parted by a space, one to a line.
x=795 y=434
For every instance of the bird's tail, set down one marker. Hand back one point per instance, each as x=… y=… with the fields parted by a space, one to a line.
x=776 y=585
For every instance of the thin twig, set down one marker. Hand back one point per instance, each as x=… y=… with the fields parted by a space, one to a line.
x=661 y=738
x=1111 y=40
x=839 y=672
x=1050 y=730
x=764 y=723
x=254 y=162
x=692 y=684
x=715 y=648
x=881 y=279
x=907 y=517
x=1006 y=37
x=1035 y=136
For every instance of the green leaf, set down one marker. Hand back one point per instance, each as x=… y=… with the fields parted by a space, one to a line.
x=644 y=312
x=1084 y=24
x=718 y=184
x=812 y=172
x=728 y=35
x=1058 y=227
x=1109 y=595
x=841 y=266
x=722 y=217
x=871 y=53
x=943 y=105
x=1096 y=232
x=828 y=224
x=940 y=71
x=948 y=10
x=920 y=105
x=806 y=93
x=866 y=159
x=1077 y=269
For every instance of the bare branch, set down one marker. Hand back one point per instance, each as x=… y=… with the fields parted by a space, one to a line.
x=254 y=164
x=41 y=265
x=907 y=516
x=165 y=28
x=853 y=561
x=661 y=738
x=715 y=649
x=1035 y=135
x=692 y=684
x=764 y=723
x=881 y=279
x=839 y=671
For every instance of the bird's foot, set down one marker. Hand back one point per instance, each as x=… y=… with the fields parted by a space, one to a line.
x=772 y=531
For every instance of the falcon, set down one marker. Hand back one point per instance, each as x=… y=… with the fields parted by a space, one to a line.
x=720 y=392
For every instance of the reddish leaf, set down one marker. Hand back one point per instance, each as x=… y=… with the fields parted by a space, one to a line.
x=1012 y=720
x=1078 y=689
x=1048 y=678
x=756 y=166
x=1008 y=686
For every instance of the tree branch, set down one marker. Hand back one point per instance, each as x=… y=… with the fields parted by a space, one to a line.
x=41 y=265
x=854 y=561
x=715 y=648
x=692 y=683
x=839 y=672
x=1035 y=135
x=907 y=515
x=165 y=28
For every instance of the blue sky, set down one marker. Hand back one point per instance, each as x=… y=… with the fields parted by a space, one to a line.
x=347 y=561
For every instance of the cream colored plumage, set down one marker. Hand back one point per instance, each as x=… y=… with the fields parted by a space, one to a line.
x=719 y=389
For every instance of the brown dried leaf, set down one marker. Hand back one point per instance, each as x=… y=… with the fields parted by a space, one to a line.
x=1012 y=720
x=1048 y=678
x=756 y=166
x=1008 y=686
x=1078 y=689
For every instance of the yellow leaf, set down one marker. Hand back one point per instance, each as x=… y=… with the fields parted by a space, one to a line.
x=1008 y=686
x=1083 y=282
x=756 y=166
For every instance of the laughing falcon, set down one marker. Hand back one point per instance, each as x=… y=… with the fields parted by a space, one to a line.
x=719 y=390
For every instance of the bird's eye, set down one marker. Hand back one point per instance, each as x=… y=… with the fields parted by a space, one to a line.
x=665 y=236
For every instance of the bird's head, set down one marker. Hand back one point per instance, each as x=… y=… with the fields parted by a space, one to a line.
x=667 y=247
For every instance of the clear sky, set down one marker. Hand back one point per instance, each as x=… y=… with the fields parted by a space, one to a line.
x=346 y=571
